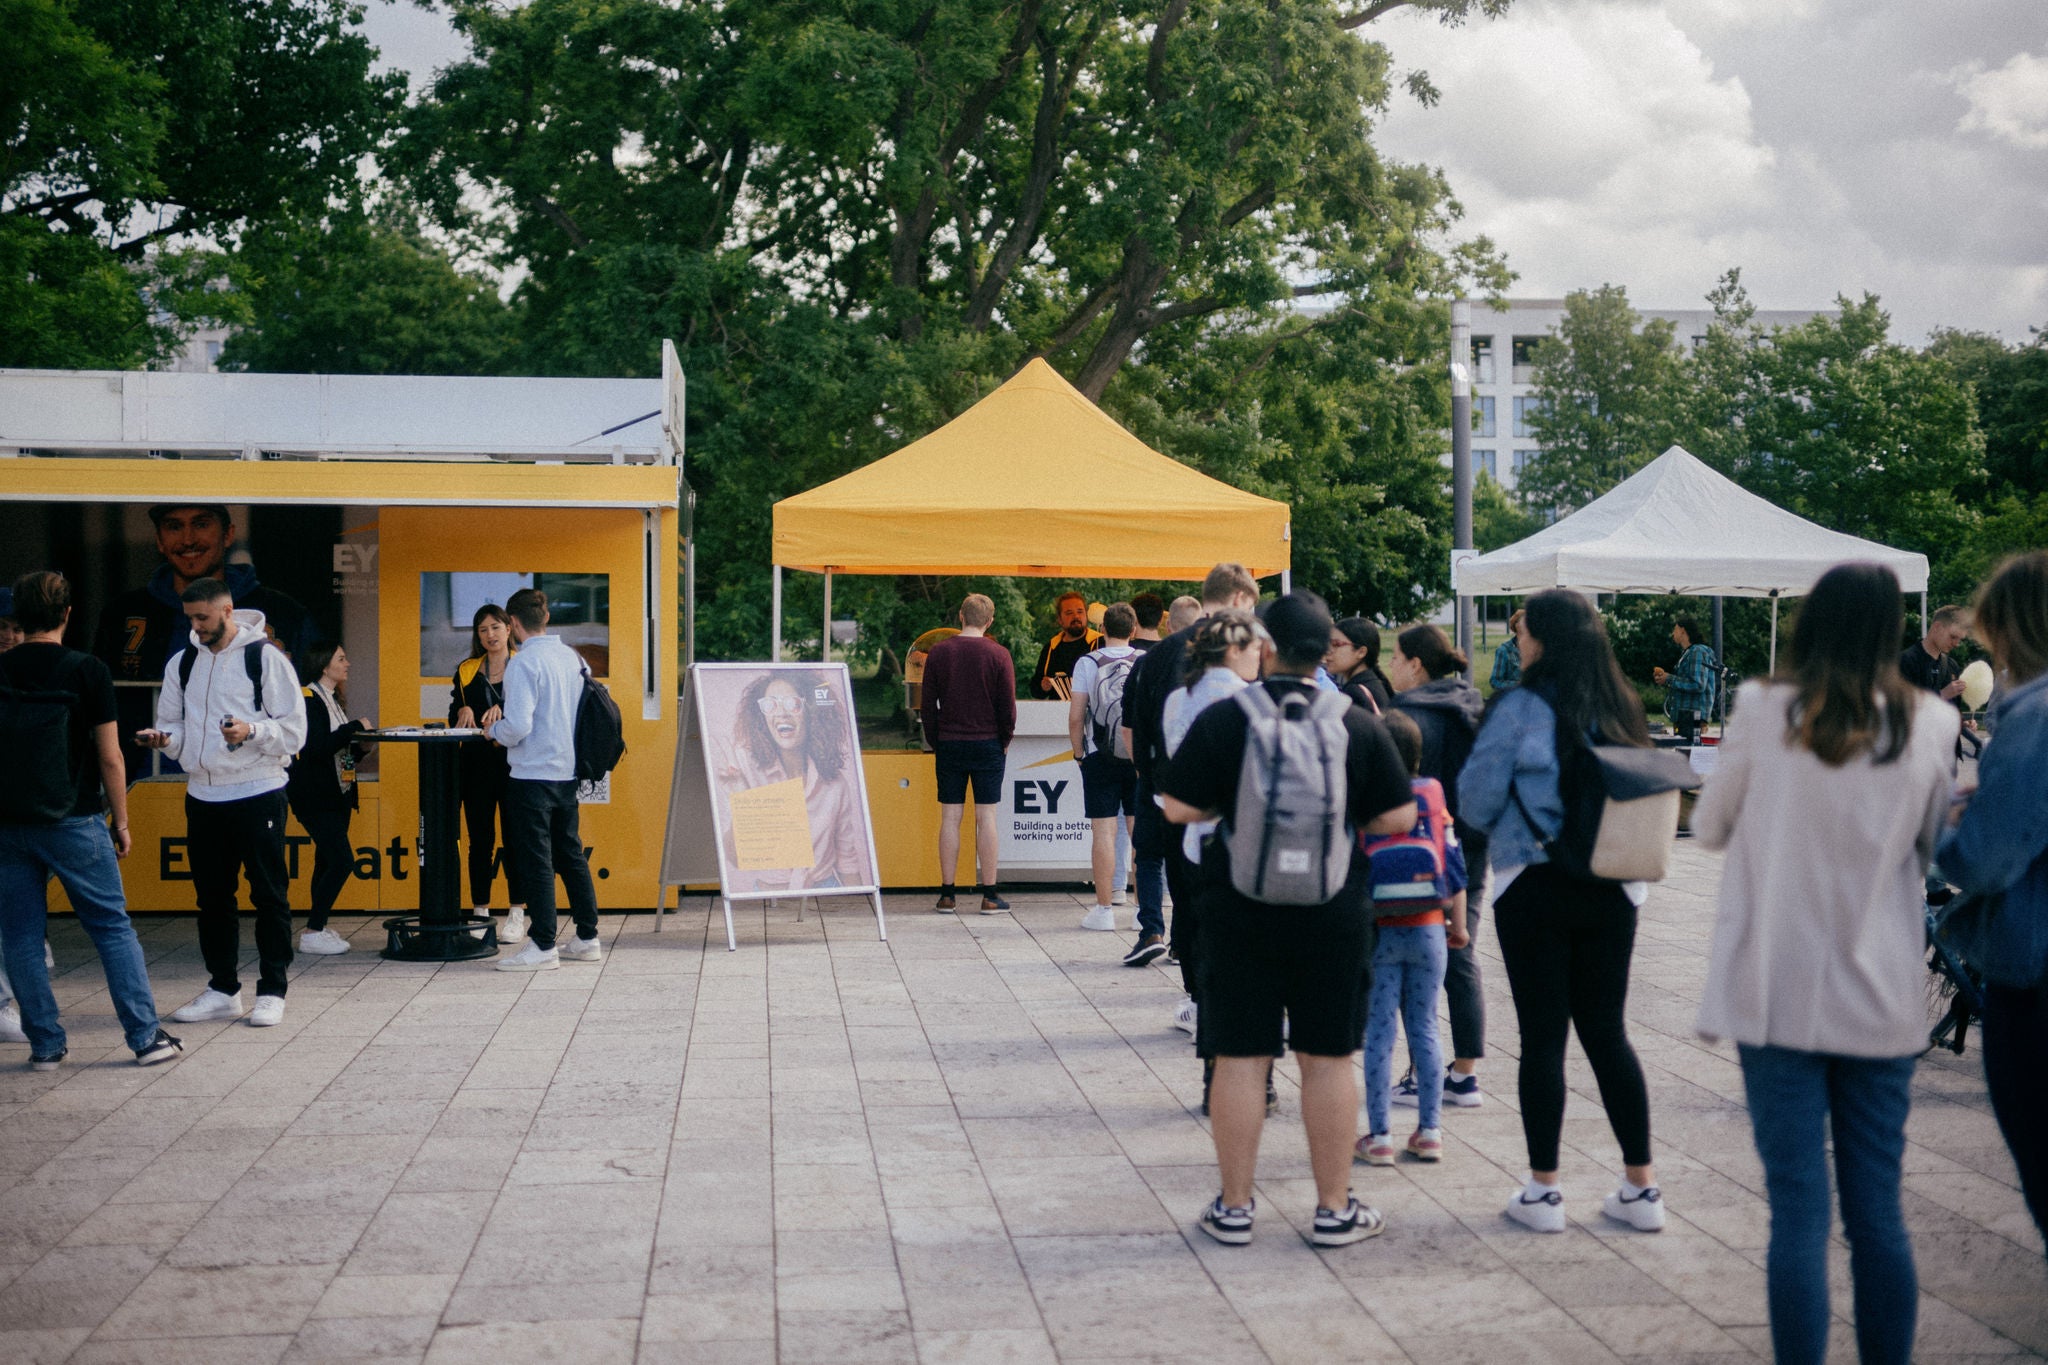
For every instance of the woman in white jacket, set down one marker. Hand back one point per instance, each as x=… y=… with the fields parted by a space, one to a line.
x=1830 y=791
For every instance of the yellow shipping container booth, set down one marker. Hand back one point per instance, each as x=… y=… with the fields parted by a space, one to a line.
x=387 y=507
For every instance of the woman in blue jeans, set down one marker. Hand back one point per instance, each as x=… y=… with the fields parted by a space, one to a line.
x=2000 y=843
x=1831 y=787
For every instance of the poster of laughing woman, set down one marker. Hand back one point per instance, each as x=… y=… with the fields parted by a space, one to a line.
x=782 y=753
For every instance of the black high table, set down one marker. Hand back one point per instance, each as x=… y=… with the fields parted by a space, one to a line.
x=441 y=932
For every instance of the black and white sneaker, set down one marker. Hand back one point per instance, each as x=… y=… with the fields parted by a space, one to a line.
x=47 y=1061
x=1341 y=1227
x=1150 y=949
x=1228 y=1225
x=161 y=1049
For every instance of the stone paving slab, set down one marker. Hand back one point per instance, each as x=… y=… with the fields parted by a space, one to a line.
x=975 y=1143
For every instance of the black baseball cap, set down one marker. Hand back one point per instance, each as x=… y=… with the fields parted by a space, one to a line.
x=1300 y=626
x=164 y=509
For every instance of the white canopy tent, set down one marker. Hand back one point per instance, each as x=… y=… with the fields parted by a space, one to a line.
x=1677 y=526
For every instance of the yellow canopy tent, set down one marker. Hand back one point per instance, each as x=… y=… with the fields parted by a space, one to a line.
x=1032 y=481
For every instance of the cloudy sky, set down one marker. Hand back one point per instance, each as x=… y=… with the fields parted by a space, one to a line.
x=1898 y=147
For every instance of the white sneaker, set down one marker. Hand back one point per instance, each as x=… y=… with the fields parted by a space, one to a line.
x=575 y=949
x=49 y=958
x=1118 y=898
x=1101 y=917
x=269 y=1012
x=531 y=958
x=1642 y=1210
x=514 y=927
x=321 y=943
x=1544 y=1213
x=209 y=1004
x=10 y=1024
x=1184 y=1016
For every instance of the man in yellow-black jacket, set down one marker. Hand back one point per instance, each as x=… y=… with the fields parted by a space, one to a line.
x=1056 y=661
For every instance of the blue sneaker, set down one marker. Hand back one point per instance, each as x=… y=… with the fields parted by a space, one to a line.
x=1408 y=1095
x=1461 y=1092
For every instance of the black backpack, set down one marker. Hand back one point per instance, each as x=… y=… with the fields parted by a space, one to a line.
x=252 y=663
x=600 y=732
x=37 y=784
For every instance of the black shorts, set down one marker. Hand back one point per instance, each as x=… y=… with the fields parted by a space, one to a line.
x=957 y=761
x=1109 y=786
x=1308 y=964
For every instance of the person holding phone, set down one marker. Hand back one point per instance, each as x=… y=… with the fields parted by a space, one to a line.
x=476 y=701
x=233 y=721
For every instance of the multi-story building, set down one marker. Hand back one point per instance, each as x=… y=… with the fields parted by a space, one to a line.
x=1503 y=372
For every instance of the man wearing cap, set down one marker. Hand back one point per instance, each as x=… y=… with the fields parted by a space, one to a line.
x=142 y=628
x=1292 y=974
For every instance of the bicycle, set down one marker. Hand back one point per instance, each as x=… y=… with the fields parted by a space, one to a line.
x=1955 y=990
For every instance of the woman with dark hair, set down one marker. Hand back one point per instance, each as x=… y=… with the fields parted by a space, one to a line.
x=2000 y=843
x=1566 y=941
x=1816 y=971
x=1354 y=661
x=1428 y=673
x=321 y=789
x=794 y=727
x=476 y=701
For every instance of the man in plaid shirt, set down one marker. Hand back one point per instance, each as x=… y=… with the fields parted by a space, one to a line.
x=1689 y=688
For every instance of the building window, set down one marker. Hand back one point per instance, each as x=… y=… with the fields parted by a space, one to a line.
x=1523 y=455
x=213 y=355
x=1525 y=359
x=1525 y=408
x=1482 y=415
x=1482 y=360
x=1486 y=462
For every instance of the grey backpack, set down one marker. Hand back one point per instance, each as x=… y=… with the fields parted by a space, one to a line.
x=1289 y=839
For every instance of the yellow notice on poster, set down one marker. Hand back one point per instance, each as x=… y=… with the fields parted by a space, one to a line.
x=771 y=827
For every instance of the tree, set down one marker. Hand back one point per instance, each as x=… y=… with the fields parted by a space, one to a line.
x=135 y=125
x=356 y=294
x=1498 y=518
x=2011 y=387
x=1606 y=388
x=857 y=219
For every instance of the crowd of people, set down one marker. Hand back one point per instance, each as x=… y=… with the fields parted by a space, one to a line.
x=1834 y=794
x=1332 y=812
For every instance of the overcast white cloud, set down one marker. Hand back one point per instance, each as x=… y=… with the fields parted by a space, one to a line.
x=1825 y=146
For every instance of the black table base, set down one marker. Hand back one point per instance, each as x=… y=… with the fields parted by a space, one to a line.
x=418 y=938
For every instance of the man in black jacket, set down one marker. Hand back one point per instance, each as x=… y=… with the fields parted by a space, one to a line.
x=1161 y=866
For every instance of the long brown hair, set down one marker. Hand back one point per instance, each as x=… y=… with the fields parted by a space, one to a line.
x=2012 y=616
x=489 y=611
x=1576 y=672
x=1429 y=646
x=1844 y=662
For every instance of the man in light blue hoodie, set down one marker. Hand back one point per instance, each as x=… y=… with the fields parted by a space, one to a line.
x=543 y=687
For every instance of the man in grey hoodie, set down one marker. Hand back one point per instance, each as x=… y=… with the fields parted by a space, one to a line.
x=235 y=739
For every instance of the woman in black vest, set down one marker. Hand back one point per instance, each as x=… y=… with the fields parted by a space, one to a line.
x=477 y=700
x=322 y=790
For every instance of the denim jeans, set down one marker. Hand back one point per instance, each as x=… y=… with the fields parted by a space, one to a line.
x=1407 y=974
x=1795 y=1100
x=80 y=853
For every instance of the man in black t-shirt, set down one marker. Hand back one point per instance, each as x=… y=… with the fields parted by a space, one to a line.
x=1929 y=663
x=1056 y=661
x=76 y=849
x=1306 y=968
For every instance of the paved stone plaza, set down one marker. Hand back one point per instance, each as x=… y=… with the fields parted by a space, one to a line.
x=977 y=1142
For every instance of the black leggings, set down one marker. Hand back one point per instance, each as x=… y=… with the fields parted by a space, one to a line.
x=334 y=858
x=483 y=804
x=1566 y=944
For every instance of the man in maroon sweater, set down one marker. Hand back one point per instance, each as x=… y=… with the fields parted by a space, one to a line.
x=969 y=710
